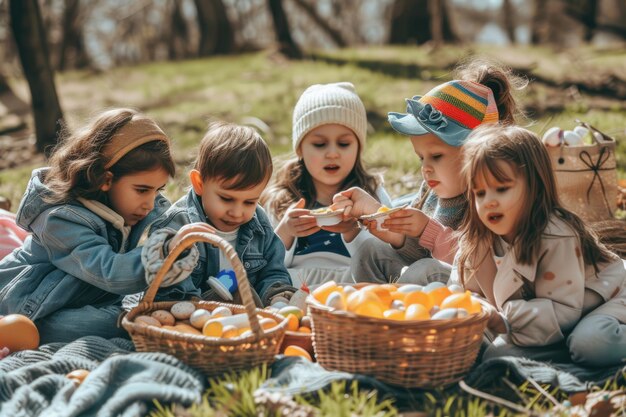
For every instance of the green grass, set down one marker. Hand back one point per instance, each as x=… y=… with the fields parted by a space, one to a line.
x=262 y=89
x=234 y=395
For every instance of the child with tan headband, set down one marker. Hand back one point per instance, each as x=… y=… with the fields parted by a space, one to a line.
x=86 y=213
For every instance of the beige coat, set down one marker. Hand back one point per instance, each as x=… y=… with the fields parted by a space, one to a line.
x=547 y=298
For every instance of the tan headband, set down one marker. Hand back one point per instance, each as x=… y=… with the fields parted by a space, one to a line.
x=135 y=133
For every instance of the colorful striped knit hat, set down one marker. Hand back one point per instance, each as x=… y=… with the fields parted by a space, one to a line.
x=450 y=111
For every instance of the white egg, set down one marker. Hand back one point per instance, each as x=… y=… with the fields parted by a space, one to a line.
x=581 y=131
x=397 y=304
x=335 y=300
x=571 y=138
x=446 y=313
x=199 y=317
x=553 y=136
x=348 y=289
x=454 y=288
x=405 y=289
x=222 y=311
x=433 y=285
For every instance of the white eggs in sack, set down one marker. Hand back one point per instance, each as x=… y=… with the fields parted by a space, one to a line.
x=553 y=136
x=572 y=139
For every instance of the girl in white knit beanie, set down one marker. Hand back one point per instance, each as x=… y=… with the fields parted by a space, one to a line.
x=329 y=132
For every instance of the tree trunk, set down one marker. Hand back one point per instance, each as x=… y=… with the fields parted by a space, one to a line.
x=27 y=27
x=334 y=34
x=286 y=43
x=72 y=53
x=539 y=28
x=412 y=22
x=508 y=13
x=436 y=21
x=178 y=38
x=216 y=32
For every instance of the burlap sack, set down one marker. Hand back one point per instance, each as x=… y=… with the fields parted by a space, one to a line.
x=586 y=177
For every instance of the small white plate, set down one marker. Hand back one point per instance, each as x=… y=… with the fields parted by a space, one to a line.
x=382 y=216
x=328 y=218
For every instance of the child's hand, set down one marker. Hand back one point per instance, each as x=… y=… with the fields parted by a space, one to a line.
x=409 y=221
x=348 y=228
x=395 y=239
x=297 y=222
x=189 y=228
x=356 y=203
x=495 y=322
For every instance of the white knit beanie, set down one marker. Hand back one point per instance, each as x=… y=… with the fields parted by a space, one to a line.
x=323 y=104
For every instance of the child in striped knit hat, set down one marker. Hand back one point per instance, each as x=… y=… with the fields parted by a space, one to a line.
x=417 y=244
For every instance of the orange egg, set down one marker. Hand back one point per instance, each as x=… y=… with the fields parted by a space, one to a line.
x=293 y=350
x=439 y=294
x=18 y=332
x=416 y=312
x=293 y=324
x=418 y=297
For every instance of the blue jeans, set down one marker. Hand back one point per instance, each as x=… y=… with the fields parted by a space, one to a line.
x=68 y=325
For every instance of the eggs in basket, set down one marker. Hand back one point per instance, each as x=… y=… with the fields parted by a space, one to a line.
x=184 y=317
x=435 y=301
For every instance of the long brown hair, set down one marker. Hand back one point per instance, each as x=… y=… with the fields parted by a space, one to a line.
x=526 y=154
x=294 y=182
x=77 y=164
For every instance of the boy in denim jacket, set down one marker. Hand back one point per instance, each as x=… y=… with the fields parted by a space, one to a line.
x=231 y=171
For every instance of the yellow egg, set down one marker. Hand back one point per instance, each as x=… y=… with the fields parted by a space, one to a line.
x=213 y=329
x=266 y=323
x=369 y=309
x=293 y=324
x=293 y=350
x=458 y=300
x=322 y=292
x=382 y=293
x=476 y=307
x=416 y=312
x=230 y=331
x=360 y=297
x=419 y=297
x=393 y=314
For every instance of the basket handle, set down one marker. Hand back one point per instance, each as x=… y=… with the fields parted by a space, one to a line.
x=229 y=251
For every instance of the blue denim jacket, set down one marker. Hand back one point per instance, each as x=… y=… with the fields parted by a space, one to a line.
x=73 y=257
x=261 y=251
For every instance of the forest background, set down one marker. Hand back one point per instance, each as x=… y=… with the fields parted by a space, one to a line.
x=187 y=62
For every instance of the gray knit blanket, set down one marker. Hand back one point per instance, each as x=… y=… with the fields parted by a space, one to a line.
x=121 y=382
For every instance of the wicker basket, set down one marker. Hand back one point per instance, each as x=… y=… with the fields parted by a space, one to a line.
x=411 y=354
x=213 y=356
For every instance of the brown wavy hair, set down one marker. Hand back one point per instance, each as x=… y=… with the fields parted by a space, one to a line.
x=294 y=182
x=77 y=165
x=526 y=154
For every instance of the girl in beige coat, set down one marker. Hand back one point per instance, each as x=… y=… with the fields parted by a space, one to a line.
x=557 y=293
